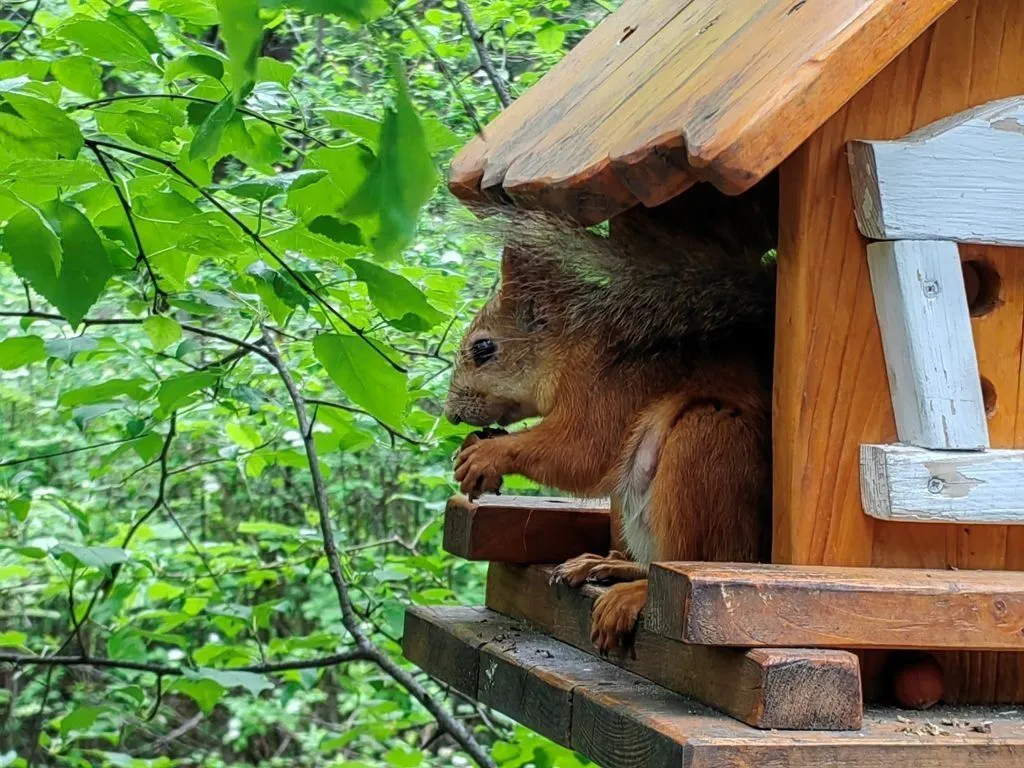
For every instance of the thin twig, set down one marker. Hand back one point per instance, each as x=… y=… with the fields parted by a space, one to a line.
x=500 y=88
x=21 y=31
x=196 y=99
x=445 y=719
x=353 y=409
x=69 y=451
x=442 y=67
x=26 y=659
x=158 y=292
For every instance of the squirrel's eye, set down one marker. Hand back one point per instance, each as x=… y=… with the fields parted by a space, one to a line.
x=483 y=351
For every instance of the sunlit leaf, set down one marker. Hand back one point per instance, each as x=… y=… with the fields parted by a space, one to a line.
x=363 y=375
x=162 y=331
x=85 y=268
x=21 y=350
x=242 y=32
x=80 y=74
x=175 y=391
x=209 y=132
x=101 y=558
x=400 y=182
x=104 y=392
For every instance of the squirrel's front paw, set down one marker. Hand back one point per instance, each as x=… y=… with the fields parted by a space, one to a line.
x=480 y=467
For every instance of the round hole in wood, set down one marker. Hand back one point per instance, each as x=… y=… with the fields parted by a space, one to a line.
x=982 y=284
x=988 y=396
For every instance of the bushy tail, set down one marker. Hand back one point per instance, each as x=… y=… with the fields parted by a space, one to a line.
x=646 y=291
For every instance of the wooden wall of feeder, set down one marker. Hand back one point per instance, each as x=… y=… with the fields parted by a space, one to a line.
x=879 y=145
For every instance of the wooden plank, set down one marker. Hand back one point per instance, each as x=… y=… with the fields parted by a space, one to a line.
x=831 y=391
x=752 y=605
x=526 y=529
x=621 y=721
x=960 y=178
x=423 y=643
x=929 y=350
x=713 y=90
x=784 y=689
x=913 y=485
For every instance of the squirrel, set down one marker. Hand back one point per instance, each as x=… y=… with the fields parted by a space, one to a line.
x=648 y=360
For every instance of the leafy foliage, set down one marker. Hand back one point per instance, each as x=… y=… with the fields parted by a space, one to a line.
x=185 y=185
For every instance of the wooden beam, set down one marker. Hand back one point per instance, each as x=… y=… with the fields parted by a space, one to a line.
x=960 y=178
x=525 y=529
x=619 y=720
x=787 y=689
x=750 y=605
x=908 y=484
x=929 y=350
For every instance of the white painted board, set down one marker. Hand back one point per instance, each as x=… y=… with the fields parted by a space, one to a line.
x=961 y=178
x=908 y=484
x=929 y=347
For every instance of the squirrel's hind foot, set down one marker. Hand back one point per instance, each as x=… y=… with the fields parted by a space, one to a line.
x=614 y=620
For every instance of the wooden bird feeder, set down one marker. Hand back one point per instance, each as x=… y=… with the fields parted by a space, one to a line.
x=888 y=137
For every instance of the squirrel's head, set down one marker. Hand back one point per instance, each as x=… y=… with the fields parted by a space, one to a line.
x=497 y=374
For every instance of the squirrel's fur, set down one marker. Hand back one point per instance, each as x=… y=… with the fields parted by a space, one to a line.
x=649 y=360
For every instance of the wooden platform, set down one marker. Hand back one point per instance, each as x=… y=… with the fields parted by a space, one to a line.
x=620 y=720
x=766 y=688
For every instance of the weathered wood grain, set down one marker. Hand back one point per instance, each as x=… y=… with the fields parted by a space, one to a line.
x=831 y=391
x=786 y=689
x=510 y=529
x=960 y=178
x=663 y=94
x=929 y=350
x=620 y=720
x=914 y=485
x=752 y=605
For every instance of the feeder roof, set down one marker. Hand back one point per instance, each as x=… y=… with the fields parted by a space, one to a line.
x=665 y=93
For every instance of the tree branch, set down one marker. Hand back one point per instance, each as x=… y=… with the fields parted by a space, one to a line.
x=500 y=88
x=21 y=31
x=68 y=452
x=353 y=409
x=26 y=659
x=444 y=718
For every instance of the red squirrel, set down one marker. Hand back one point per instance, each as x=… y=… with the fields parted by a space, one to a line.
x=649 y=364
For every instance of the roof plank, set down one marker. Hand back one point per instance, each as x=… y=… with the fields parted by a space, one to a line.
x=663 y=94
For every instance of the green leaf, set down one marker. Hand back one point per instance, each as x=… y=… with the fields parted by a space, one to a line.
x=101 y=558
x=352 y=11
x=401 y=302
x=161 y=590
x=346 y=168
x=29 y=231
x=85 y=268
x=363 y=375
x=337 y=230
x=401 y=181
x=194 y=64
x=405 y=758
x=201 y=12
x=31 y=127
x=21 y=350
x=243 y=435
x=231 y=678
x=136 y=26
x=162 y=331
x=550 y=38
x=366 y=128
x=242 y=33
x=265 y=188
x=80 y=719
x=176 y=390
x=12 y=639
x=204 y=691
x=59 y=173
x=68 y=349
x=106 y=392
x=108 y=41
x=210 y=131
x=270 y=70
x=80 y=74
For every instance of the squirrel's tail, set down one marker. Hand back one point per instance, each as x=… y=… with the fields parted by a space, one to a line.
x=647 y=291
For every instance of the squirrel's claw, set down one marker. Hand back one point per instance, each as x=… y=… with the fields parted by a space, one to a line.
x=613 y=622
x=479 y=468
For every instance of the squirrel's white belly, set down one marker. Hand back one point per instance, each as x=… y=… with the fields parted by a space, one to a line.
x=635 y=499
